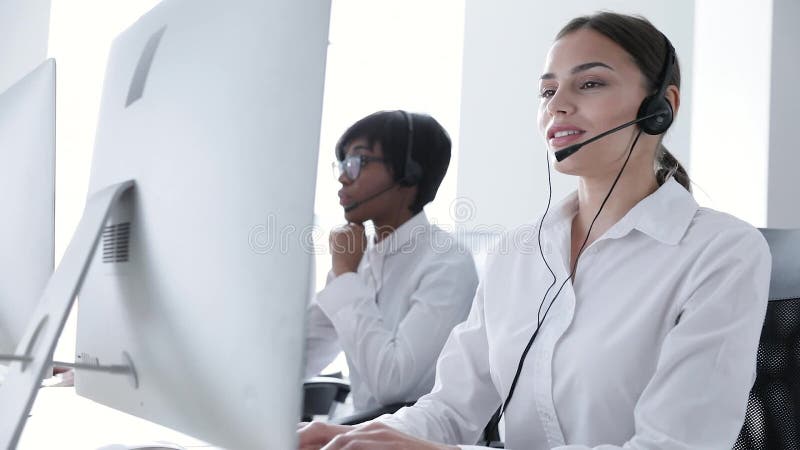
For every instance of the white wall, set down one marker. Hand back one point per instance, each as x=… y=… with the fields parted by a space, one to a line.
x=744 y=147
x=783 y=205
x=730 y=128
x=502 y=175
x=390 y=55
x=23 y=38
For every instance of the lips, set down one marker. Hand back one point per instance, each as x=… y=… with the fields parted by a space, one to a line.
x=563 y=135
x=344 y=199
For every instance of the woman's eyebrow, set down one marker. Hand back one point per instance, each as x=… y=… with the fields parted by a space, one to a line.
x=358 y=149
x=579 y=68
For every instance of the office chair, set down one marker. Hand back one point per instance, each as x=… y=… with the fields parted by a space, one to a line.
x=323 y=394
x=773 y=409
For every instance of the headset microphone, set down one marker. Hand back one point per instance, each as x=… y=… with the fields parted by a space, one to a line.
x=655 y=113
x=358 y=203
x=569 y=151
x=412 y=171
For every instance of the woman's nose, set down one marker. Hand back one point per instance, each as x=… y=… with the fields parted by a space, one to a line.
x=560 y=103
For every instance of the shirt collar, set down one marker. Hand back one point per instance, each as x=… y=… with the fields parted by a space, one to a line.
x=664 y=215
x=563 y=212
x=403 y=235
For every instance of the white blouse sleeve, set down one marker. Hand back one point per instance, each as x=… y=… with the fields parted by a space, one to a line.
x=464 y=396
x=393 y=362
x=322 y=347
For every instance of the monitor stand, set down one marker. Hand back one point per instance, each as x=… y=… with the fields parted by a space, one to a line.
x=34 y=353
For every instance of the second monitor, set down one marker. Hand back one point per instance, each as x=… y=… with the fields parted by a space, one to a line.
x=27 y=183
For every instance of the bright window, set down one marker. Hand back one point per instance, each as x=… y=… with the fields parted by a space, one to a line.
x=382 y=55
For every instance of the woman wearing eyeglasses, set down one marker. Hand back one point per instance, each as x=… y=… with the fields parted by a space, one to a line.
x=390 y=302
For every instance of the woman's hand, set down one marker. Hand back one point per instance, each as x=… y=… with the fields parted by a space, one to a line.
x=347 y=245
x=314 y=435
x=372 y=436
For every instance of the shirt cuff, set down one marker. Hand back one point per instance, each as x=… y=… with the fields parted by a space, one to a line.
x=341 y=292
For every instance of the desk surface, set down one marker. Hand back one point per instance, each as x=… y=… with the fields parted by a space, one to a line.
x=62 y=419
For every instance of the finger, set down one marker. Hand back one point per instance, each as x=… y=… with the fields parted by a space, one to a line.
x=362 y=443
x=356 y=439
x=339 y=239
x=319 y=433
x=374 y=426
x=359 y=235
x=314 y=433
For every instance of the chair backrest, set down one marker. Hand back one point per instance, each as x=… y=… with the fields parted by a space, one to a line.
x=322 y=394
x=773 y=410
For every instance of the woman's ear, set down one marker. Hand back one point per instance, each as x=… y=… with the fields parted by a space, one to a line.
x=673 y=96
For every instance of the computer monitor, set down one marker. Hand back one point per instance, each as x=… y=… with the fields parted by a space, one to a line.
x=213 y=109
x=27 y=186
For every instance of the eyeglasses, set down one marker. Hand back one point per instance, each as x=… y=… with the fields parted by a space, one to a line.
x=351 y=165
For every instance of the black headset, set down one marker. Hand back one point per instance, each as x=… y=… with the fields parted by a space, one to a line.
x=412 y=172
x=658 y=103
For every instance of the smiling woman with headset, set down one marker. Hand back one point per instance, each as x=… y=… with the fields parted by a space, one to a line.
x=636 y=324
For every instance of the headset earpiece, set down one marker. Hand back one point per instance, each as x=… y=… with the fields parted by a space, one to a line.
x=658 y=102
x=412 y=171
x=413 y=174
x=660 y=123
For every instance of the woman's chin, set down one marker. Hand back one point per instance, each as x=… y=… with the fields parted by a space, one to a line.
x=566 y=167
x=353 y=217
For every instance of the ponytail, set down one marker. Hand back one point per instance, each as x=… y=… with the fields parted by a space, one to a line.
x=668 y=166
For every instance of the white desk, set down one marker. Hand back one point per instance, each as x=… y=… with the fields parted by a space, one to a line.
x=61 y=419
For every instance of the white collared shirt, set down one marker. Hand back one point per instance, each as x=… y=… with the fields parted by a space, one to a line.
x=653 y=347
x=393 y=316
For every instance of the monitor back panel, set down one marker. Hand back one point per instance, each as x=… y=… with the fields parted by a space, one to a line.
x=27 y=196
x=201 y=278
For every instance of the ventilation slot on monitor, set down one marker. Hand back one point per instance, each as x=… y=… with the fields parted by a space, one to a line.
x=116 y=240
